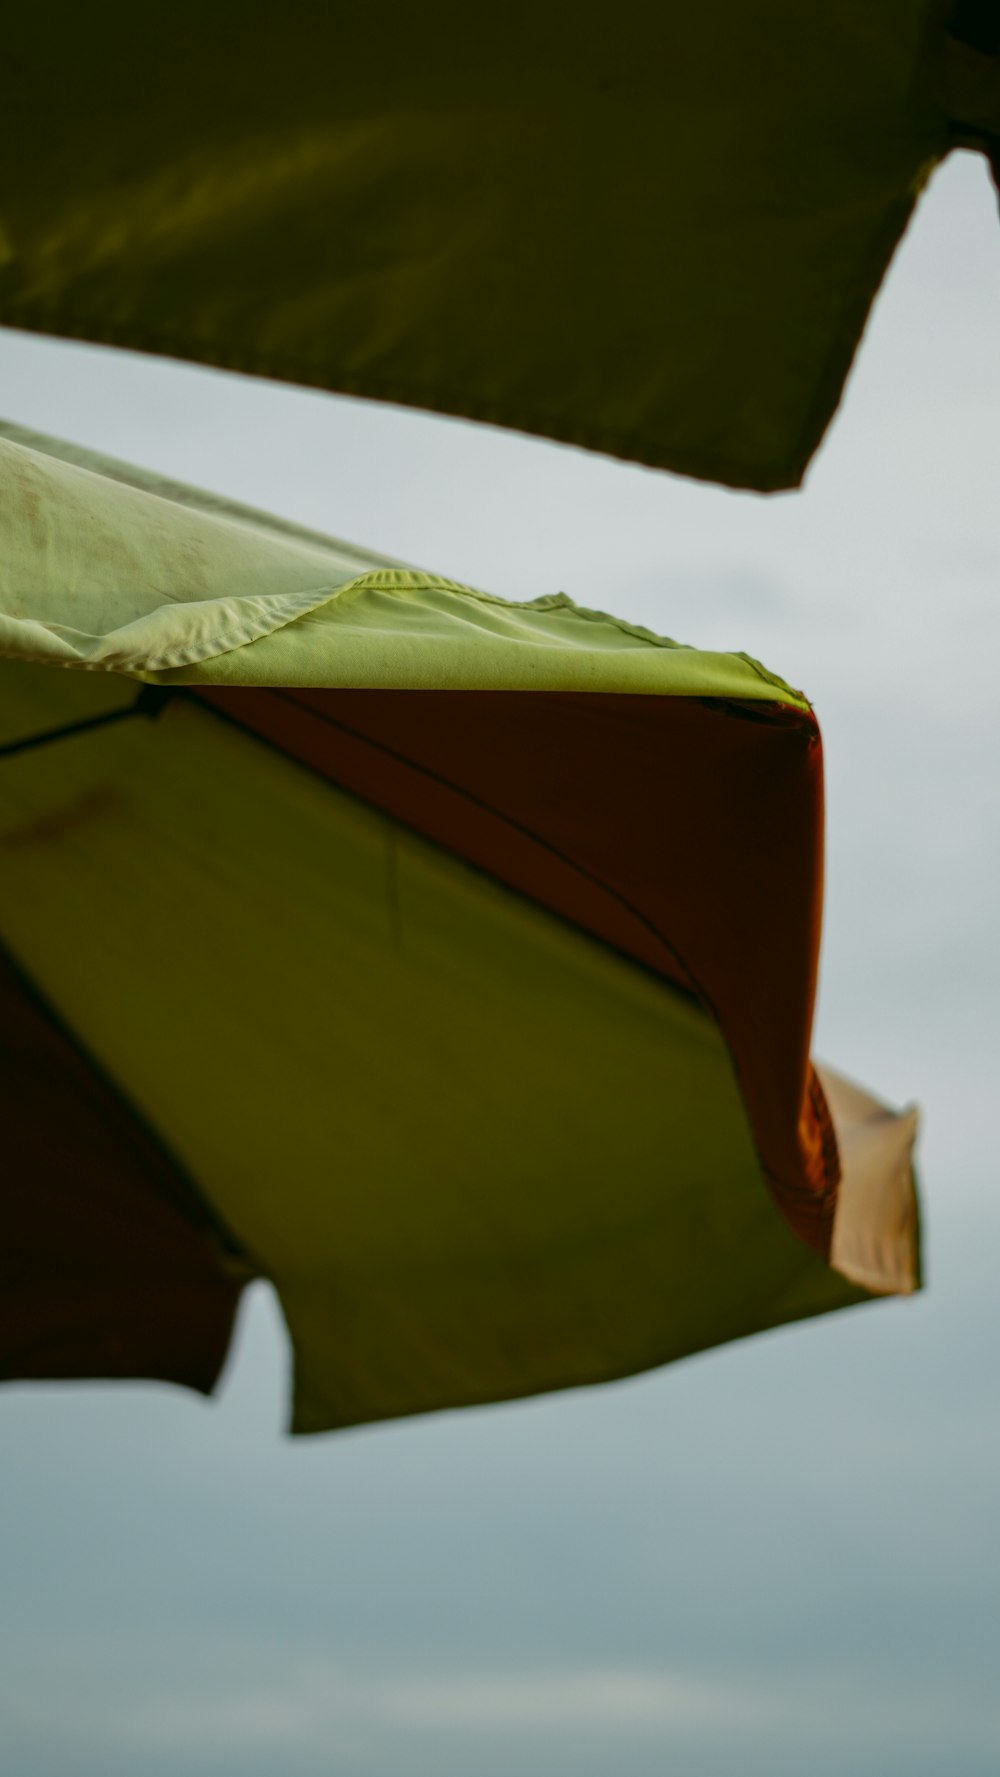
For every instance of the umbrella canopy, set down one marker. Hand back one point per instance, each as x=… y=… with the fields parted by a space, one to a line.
x=655 y=231
x=447 y=961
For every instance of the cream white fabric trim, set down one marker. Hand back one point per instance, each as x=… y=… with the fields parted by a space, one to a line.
x=875 y=1227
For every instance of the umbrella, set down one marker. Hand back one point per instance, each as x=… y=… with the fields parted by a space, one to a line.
x=655 y=232
x=447 y=961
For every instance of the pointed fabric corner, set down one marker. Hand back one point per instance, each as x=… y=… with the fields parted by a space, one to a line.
x=460 y=955
x=660 y=240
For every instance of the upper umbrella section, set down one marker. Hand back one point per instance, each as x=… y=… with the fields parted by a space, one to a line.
x=654 y=232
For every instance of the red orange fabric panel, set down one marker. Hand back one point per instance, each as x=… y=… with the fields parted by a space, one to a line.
x=108 y=1264
x=686 y=833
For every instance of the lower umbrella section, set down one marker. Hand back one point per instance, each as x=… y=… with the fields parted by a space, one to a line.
x=260 y=1027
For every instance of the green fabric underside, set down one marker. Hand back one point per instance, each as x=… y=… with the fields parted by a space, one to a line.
x=104 y=568
x=478 y=1154
x=655 y=231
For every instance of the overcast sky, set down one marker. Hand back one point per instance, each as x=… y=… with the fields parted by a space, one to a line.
x=775 y=1559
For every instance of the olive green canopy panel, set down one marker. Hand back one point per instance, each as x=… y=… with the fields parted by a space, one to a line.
x=446 y=961
x=655 y=231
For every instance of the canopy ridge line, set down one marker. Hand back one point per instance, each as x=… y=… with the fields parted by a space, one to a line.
x=149 y=702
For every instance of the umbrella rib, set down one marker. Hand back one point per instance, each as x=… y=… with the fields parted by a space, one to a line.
x=148 y=703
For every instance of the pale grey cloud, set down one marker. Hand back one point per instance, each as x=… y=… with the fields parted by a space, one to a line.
x=253 y=1706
